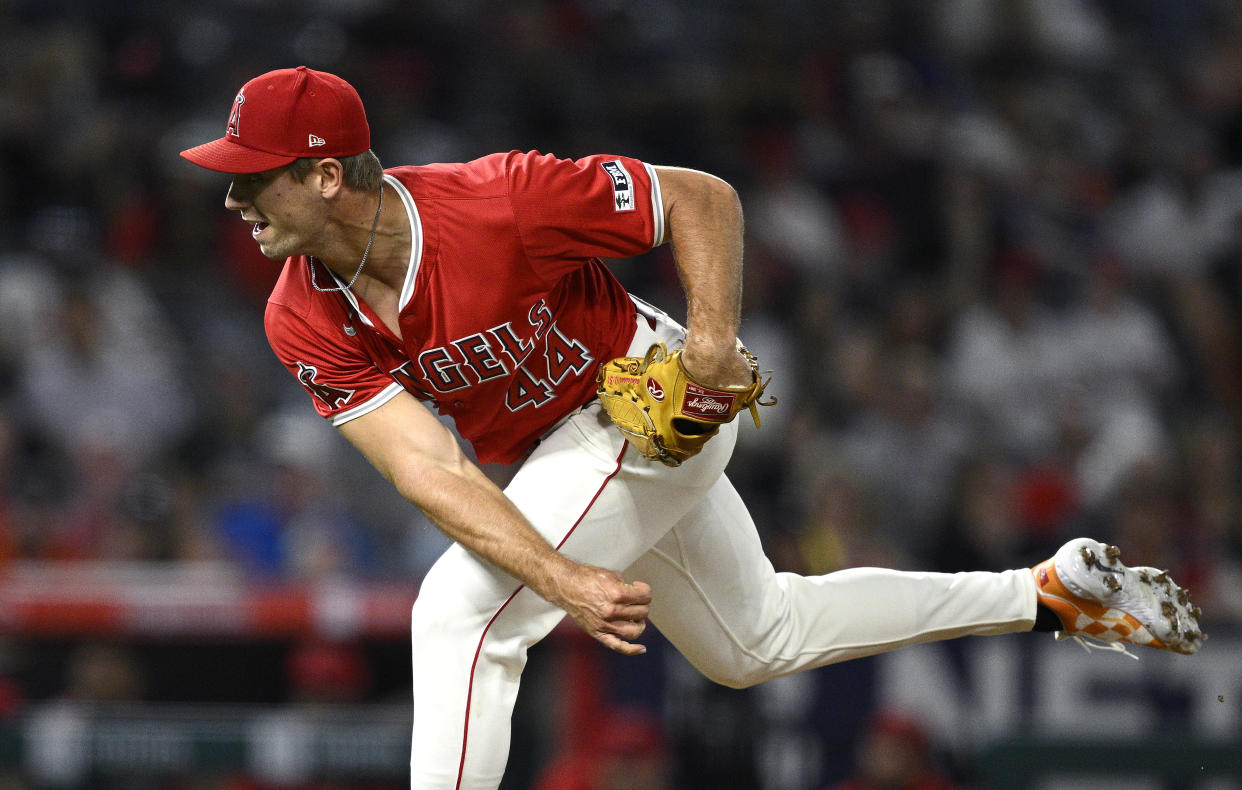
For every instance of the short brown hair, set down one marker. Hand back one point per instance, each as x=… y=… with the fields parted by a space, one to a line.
x=361 y=171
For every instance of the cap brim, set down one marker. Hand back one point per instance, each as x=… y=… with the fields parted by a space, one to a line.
x=226 y=156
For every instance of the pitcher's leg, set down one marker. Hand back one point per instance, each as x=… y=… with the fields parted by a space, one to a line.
x=720 y=602
x=599 y=504
x=473 y=624
x=470 y=630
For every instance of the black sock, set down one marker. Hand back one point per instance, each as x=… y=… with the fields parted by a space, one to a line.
x=1046 y=620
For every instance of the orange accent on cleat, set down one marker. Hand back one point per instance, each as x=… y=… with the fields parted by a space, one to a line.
x=1112 y=603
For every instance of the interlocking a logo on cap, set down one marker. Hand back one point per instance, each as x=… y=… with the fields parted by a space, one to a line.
x=235 y=116
x=315 y=140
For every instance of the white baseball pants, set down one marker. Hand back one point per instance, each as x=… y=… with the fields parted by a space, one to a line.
x=717 y=598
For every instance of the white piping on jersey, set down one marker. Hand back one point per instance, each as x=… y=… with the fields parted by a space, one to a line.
x=366 y=407
x=657 y=206
x=416 y=241
x=416 y=257
x=416 y=252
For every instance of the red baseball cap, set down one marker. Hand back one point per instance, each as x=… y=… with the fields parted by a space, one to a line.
x=285 y=114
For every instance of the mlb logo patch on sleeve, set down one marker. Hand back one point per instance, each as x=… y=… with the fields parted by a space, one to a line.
x=622 y=185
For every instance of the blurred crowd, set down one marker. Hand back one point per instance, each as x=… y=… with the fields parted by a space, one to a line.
x=994 y=260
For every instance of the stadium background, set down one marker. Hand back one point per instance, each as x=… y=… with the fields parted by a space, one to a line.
x=994 y=257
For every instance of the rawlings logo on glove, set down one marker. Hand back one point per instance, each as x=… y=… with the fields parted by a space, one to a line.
x=664 y=413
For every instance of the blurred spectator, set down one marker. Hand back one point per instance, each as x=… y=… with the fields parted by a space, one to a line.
x=103 y=672
x=1177 y=220
x=249 y=783
x=994 y=260
x=629 y=753
x=1002 y=357
x=1211 y=477
x=287 y=517
x=789 y=216
x=328 y=672
x=840 y=524
x=12 y=697
x=105 y=374
x=885 y=154
x=1120 y=361
x=895 y=753
x=983 y=530
x=10 y=541
x=906 y=446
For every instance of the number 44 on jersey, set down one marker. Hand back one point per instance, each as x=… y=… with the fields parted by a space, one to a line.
x=501 y=352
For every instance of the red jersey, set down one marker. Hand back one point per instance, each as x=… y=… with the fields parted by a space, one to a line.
x=506 y=310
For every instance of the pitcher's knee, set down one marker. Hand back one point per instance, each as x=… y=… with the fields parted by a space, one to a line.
x=739 y=673
x=420 y=626
x=429 y=624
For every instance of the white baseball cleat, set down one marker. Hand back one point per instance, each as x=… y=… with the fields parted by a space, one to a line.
x=1098 y=597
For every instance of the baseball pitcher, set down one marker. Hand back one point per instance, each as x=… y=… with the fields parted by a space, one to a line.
x=477 y=290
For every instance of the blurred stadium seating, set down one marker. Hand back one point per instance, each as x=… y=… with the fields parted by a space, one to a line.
x=994 y=257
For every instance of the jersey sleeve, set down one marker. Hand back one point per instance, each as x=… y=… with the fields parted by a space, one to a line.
x=342 y=381
x=570 y=210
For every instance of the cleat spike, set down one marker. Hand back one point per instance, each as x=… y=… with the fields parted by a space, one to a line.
x=1102 y=600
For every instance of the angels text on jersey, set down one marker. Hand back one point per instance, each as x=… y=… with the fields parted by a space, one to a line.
x=537 y=360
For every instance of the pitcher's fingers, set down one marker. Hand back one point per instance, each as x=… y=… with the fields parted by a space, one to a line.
x=627 y=629
x=633 y=612
x=637 y=592
x=618 y=645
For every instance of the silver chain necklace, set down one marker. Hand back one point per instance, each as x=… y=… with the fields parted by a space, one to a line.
x=370 y=240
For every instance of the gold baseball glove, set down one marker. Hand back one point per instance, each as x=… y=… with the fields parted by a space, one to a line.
x=663 y=412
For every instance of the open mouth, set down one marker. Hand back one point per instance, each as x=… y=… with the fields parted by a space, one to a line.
x=258 y=228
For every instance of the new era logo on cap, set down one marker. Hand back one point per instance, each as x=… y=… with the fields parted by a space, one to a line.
x=281 y=109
